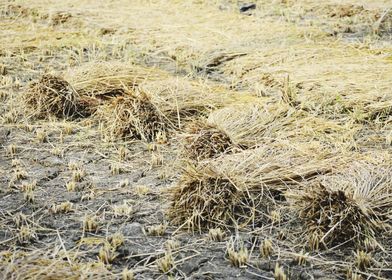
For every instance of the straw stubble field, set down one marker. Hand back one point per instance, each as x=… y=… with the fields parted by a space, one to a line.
x=187 y=140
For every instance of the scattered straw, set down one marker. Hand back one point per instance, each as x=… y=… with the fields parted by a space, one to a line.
x=110 y=79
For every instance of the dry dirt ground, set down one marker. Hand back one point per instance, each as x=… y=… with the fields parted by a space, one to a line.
x=173 y=139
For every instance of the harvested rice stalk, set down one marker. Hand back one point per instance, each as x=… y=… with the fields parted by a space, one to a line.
x=349 y=207
x=178 y=98
x=206 y=197
x=239 y=188
x=48 y=265
x=204 y=141
x=132 y=116
x=53 y=96
x=249 y=125
x=109 y=79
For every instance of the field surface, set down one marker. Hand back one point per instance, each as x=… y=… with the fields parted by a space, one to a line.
x=195 y=139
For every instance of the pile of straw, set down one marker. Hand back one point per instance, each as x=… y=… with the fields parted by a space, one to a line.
x=203 y=141
x=238 y=188
x=53 y=96
x=131 y=116
x=348 y=207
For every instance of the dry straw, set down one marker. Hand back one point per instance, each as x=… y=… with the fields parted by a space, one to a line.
x=131 y=116
x=109 y=79
x=203 y=141
x=53 y=96
x=238 y=189
x=248 y=125
x=179 y=98
x=352 y=206
x=49 y=266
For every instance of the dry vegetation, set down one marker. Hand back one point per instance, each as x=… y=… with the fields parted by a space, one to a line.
x=188 y=140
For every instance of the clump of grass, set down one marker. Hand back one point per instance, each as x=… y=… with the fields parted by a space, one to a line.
x=25 y=187
x=123 y=183
x=204 y=141
x=57 y=152
x=204 y=197
x=266 y=248
x=107 y=254
x=350 y=206
x=19 y=219
x=116 y=240
x=90 y=223
x=237 y=188
x=51 y=96
x=71 y=186
x=172 y=245
x=26 y=234
x=59 y=18
x=127 y=274
x=142 y=190
x=29 y=196
x=156 y=230
x=131 y=116
x=363 y=260
x=115 y=168
x=279 y=273
x=11 y=150
x=123 y=210
x=156 y=159
x=16 y=162
x=64 y=207
x=78 y=175
x=20 y=173
x=73 y=165
x=166 y=263
x=301 y=258
x=216 y=234
x=238 y=257
x=122 y=152
x=41 y=135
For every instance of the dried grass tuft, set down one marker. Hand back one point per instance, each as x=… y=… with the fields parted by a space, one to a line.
x=349 y=207
x=53 y=96
x=203 y=141
x=206 y=197
x=132 y=116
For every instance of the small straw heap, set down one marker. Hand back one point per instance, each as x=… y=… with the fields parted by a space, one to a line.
x=207 y=197
x=203 y=141
x=131 y=116
x=52 y=96
x=347 y=208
